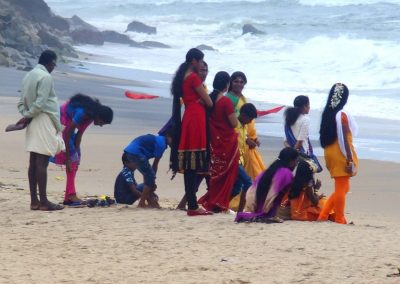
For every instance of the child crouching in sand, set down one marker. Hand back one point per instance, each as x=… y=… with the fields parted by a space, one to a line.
x=136 y=156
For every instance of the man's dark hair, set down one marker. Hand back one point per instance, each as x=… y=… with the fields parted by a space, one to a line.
x=249 y=110
x=124 y=158
x=47 y=57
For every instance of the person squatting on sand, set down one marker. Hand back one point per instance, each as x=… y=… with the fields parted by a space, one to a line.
x=39 y=104
x=265 y=195
x=136 y=156
x=253 y=162
x=77 y=114
x=224 y=147
x=336 y=137
x=189 y=151
x=305 y=203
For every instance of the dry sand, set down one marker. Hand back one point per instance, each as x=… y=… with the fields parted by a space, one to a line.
x=124 y=244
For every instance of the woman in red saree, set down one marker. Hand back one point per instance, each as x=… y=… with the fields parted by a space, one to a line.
x=224 y=147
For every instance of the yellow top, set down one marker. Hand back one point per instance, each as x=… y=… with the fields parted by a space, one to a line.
x=334 y=158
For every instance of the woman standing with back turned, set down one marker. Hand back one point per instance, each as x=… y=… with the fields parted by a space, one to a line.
x=336 y=137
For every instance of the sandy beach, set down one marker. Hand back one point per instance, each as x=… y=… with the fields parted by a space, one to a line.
x=124 y=244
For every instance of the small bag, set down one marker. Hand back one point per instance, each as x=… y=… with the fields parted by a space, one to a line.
x=312 y=161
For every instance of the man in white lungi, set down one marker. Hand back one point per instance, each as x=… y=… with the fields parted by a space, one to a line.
x=39 y=105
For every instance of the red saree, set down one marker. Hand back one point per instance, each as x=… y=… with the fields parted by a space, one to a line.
x=224 y=157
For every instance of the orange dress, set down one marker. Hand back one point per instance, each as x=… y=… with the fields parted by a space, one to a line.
x=302 y=209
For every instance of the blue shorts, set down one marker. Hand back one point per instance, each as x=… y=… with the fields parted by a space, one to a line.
x=143 y=166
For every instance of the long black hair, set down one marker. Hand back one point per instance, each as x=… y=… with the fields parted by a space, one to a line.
x=304 y=174
x=92 y=107
x=236 y=75
x=285 y=157
x=177 y=93
x=292 y=113
x=221 y=81
x=337 y=99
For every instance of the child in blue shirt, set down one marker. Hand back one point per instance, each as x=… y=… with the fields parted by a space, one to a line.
x=126 y=190
x=137 y=155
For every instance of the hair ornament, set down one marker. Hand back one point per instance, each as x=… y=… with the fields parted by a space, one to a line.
x=337 y=95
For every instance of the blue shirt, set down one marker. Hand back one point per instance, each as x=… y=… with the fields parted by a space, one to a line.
x=125 y=179
x=147 y=146
x=76 y=113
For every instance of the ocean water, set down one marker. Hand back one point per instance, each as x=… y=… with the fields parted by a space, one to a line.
x=308 y=46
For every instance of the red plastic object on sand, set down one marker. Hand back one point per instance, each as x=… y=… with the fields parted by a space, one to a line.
x=139 y=96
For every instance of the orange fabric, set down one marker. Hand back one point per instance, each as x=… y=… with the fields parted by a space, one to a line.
x=302 y=209
x=334 y=158
x=337 y=201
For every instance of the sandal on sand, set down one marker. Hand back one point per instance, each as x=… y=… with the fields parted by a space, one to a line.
x=35 y=207
x=74 y=203
x=51 y=207
x=198 y=212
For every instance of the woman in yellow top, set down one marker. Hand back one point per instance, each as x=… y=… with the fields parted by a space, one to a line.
x=336 y=137
x=253 y=163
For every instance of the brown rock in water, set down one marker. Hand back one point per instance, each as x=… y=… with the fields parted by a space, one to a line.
x=112 y=36
x=205 y=47
x=139 y=27
x=154 y=44
x=248 y=28
x=87 y=37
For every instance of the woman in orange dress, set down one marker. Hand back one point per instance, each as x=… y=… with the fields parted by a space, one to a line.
x=305 y=203
x=336 y=137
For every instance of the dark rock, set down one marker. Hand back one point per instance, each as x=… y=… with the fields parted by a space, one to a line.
x=76 y=23
x=58 y=23
x=248 y=28
x=39 y=11
x=115 y=37
x=137 y=44
x=205 y=47
x=49 y=39
x=139 y=27
x=87 y=37
x=4 y=61
x=154 y=44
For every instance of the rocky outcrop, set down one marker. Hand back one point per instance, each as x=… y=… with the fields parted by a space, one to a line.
x=250 y=29
x=27 y=27
x=203 y=47
x=139 y=27
x=76 y=23
x=87 y=37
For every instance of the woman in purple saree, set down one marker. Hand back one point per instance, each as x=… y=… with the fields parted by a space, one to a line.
x=268 y=189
